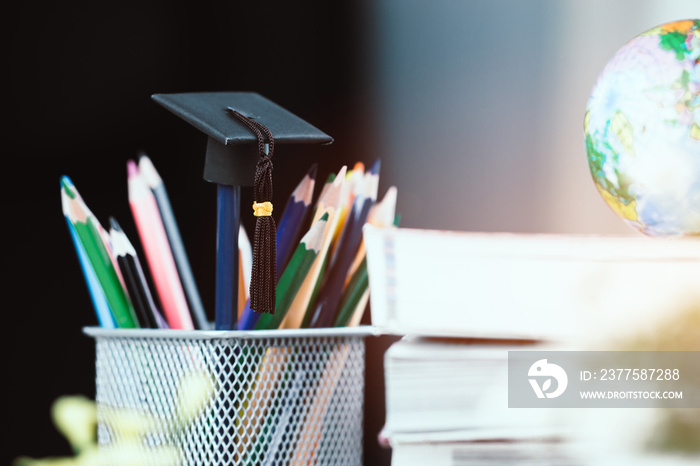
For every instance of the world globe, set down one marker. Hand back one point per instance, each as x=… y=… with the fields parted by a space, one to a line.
x=642 y=131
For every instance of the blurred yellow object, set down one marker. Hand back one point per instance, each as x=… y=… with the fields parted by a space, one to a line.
x=676 y=431
x=680 y=331
x=76 y=418
x=196 y=389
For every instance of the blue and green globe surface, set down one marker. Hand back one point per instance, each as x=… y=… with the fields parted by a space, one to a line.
x=642 y=131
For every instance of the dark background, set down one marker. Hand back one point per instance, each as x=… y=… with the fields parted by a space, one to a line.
x=479 y=103
x=79 y=79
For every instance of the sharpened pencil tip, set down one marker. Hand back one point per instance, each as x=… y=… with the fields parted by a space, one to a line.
x=376 y=167
x=148 y=170
x=313 y=171
x=67 y=186
x=115 y=225
x=131 y=168
x=391 y=195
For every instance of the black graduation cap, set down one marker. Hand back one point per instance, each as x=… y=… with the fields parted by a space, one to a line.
x=238 y=126
x=231 y=151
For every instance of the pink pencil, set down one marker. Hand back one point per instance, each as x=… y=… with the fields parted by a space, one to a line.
x=157 y=250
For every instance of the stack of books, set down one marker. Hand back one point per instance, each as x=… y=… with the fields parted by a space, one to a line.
x=447 y=401
x=462 y=301
x=447 y=404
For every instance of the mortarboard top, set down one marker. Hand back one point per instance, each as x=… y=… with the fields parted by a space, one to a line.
x=231 y=154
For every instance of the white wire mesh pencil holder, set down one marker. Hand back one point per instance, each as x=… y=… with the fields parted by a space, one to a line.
x=280 y=397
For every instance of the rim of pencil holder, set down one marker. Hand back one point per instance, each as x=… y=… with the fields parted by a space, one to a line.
x=359 y=331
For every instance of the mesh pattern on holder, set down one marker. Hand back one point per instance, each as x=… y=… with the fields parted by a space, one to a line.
x=270 y=400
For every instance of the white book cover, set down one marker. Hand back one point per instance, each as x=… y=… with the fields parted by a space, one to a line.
x=541 y=286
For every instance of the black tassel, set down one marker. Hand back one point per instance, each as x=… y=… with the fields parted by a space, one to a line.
x=264 y=274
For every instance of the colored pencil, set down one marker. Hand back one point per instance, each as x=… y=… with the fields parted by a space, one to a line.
x=245 y=250
x=285 y=415
x=324 y=189
x=360 y=183
x=323 y=309
x=356 y=316
x=355 y=293
x=293 y=218
x=353 y=182
x=89 y=231
x=342 y=206
x=97 y=295
x=310 y=434
x=155 y=184
x=321 y=389
x=260 y=406
x=382 y=215
x=352 y=295
x=107 y=242
x=247 y=318
x=157 y=249
x=309 y=438
x=134 y=278
x=329 y=203
x=228 y=224
x=295 y=273
x=241 y=288
x=358 y=169
x=372 y=179
x=322 y=312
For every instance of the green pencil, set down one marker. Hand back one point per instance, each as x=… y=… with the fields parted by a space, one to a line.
x=294 y=274
x=327 y=185
x=352 y=294
x=89 y=231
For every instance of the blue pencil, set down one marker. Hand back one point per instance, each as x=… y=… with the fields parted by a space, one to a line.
x=97 y=295
x=228 y=224
x=293 y=218
x=248 y=317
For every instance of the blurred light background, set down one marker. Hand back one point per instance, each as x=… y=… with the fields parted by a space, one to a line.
x=480 y=107
x=475 y=108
